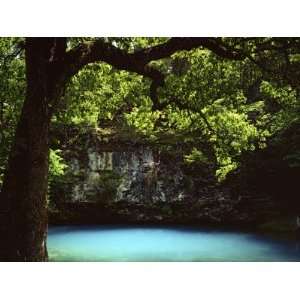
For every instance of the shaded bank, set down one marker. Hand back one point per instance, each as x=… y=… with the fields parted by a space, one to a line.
x=119 y=179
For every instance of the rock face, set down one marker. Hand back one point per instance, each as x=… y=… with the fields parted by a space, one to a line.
x=134 y=175
x=121 y=181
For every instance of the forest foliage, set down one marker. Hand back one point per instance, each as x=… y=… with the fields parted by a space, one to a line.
x=220 y=108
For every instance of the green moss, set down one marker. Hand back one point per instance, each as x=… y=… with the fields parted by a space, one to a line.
x=106 y=185
x=166 y=209
x=280 y=225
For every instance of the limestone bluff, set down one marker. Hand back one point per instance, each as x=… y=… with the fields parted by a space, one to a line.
x=123 y=179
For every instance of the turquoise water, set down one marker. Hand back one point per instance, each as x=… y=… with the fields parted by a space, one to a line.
x=111 y=243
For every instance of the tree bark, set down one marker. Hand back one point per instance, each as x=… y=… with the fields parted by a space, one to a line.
x=23 y=206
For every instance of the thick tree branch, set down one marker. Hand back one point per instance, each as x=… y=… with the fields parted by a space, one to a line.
x=138 y=61
x=100 y=50
x=180 y=44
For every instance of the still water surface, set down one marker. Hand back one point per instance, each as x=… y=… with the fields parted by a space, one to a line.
x=112 y=243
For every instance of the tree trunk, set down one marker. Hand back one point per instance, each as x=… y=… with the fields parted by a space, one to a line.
x=23 y=205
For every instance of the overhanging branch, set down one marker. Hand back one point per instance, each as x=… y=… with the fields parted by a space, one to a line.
x=138 y=61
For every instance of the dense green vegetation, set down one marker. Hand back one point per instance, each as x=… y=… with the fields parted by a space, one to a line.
x=231 y=107
x=12 y=93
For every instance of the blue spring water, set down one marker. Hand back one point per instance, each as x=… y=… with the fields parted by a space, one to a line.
x=112 y=243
